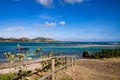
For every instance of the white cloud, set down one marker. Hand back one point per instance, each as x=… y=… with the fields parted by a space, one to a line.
x=73 y=1
x=50 y=3
x=46 y=3
x=46 y=17
x=62 y=23
x=45 y=24
x=15 y=28
x=50 y=24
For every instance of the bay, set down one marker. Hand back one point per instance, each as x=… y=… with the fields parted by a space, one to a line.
x=65 y=48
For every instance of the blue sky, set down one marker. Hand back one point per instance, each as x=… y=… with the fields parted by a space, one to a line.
x=66 y=20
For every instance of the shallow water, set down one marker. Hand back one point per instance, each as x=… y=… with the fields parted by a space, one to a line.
x=66 y=48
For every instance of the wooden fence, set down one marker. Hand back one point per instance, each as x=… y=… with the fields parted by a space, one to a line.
x=67 y=60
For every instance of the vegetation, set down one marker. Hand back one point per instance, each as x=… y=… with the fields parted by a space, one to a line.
x=37 y=51
x=20 y=56
x=108 y=53
x=10 y=56
x=22 y=73
x=105 y=53
x=9 y=76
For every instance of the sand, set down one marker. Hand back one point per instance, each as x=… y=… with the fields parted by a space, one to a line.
x=4 y=68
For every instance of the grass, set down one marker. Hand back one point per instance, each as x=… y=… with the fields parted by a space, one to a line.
x=9 y=76
x=67 y=78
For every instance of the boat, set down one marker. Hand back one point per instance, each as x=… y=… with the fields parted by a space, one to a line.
x=19 y=47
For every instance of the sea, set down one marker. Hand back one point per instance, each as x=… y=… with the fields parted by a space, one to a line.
x=63 y=48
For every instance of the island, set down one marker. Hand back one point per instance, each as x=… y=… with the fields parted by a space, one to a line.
x=37 y=39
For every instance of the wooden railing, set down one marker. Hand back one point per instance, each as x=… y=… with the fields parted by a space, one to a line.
x=67 y=60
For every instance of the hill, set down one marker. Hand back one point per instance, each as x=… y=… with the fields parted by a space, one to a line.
x=37 y=39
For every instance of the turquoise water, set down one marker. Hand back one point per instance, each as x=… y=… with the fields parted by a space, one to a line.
x=66 y=48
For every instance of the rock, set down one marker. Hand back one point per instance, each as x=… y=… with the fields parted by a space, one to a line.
x=86 y=54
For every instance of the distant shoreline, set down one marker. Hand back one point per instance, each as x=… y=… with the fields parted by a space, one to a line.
x=37 y=39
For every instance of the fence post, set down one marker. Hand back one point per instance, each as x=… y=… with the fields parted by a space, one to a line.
x=66 y=62
x=53 y=68
x=72 y=61
x=75 y=61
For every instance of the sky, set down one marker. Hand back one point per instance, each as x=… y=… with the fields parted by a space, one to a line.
x=64 y=20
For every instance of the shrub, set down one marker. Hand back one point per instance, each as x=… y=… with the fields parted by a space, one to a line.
x=10 y=56
x=108 y=53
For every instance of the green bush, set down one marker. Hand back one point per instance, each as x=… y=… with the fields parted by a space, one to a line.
x=106 y=53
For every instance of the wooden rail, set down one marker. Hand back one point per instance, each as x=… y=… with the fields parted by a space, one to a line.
x=16 y=64
x=50 y=73
x=53 y=70
x=68 y=60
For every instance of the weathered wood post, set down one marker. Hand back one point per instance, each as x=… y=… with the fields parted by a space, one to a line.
x=72 y=61
x=53 y=68
x=66 y=62
x=75 y=61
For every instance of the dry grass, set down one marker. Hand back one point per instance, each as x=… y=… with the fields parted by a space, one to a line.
x=93 y=69
x=89 y=69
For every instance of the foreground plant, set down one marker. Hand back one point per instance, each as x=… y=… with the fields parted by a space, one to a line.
x=10 y=56
x=20 y=56
x=9 y=76
x=37 y=51
x=22 y=74
x=46 y=64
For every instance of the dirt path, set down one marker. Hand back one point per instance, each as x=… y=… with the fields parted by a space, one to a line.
x=94 y=69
